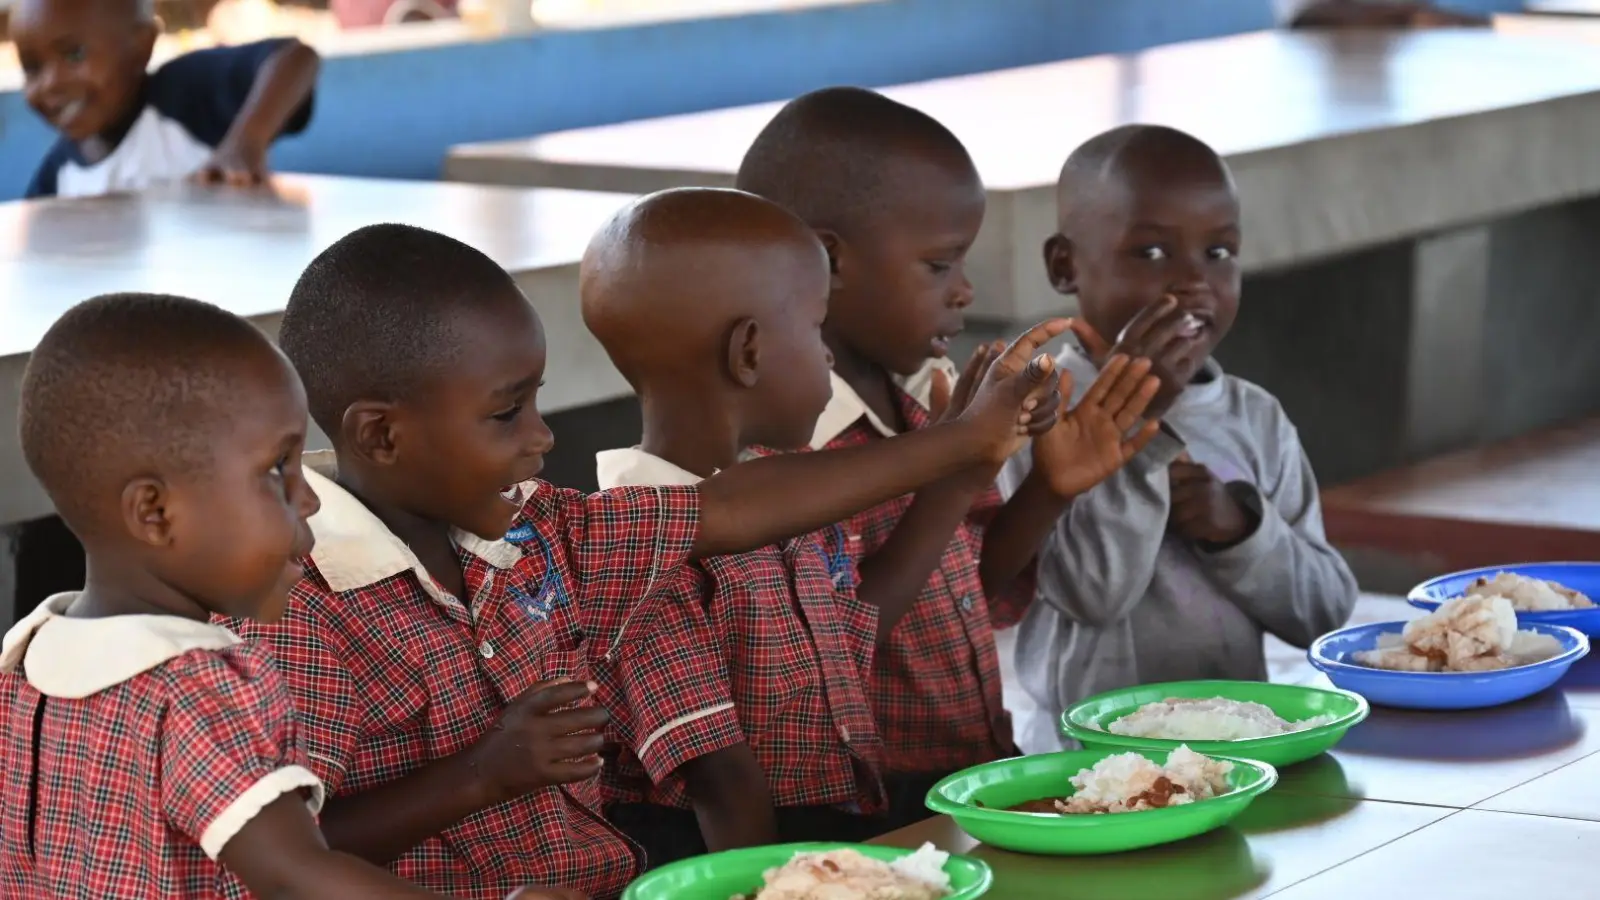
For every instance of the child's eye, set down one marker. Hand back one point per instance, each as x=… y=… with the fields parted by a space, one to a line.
x=74 y=54
x=1220 y=253
x=938 y=268
x=1154 y=254
x=508 y=415
x=280 y=467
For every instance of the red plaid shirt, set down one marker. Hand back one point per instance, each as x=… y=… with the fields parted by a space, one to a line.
x=391 y=672
x=936 y=682
x=136 y=748
x=782 y=628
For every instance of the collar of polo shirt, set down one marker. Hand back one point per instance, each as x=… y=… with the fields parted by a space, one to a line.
x=633 y=467
x=355 y=549
x=74 y=658
x=847 y=407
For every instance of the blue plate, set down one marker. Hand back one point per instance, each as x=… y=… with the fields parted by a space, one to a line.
x=1439 y=690
x=1583 y=577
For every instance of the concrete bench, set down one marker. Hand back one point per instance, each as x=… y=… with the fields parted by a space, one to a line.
x=1403 y=193
x=1530 y=499
x=244 y=251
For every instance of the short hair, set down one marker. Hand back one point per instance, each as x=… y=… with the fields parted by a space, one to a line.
x=129 y=384
x=371 y=317
x=1102 y=159
x=830 y=155
x=141 y=11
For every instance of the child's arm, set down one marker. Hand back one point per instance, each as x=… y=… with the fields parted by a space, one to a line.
x=731 y=798
x=280 y=855
x=767 y=500
x=1088 y=445
x=1277 y=564
x=281 y=87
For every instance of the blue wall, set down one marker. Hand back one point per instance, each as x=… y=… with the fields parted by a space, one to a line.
x=396 y=114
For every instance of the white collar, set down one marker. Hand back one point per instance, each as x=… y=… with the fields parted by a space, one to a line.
x=632 y=466
x=74 y=658
x=355 y=549
x=846 y=406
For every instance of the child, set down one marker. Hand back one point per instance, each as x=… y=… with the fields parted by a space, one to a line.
x=1175 y=566
x=143 y=746
x=1369 y=14
x=440 y=644
x=897 y=203
x=754 y=695
x=213 y=113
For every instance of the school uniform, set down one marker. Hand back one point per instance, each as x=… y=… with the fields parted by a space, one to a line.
x=391 y=672
x=135 y=749
x=793 y=647
x=186 y=109
x=935 y=684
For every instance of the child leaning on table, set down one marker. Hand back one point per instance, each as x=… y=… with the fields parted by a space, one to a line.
x=145 y=749
x=213 y=112
x=1174 y=566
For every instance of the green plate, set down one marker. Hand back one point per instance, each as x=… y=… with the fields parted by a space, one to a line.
x=718 y=876
x=1011 y=781
x=1087 y=722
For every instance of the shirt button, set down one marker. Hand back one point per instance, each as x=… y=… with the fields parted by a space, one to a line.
x=486 y=650
x=966 y=603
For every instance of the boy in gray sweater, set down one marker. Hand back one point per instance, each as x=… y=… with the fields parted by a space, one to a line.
x=1175 y=566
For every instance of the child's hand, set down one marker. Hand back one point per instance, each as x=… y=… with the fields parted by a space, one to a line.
x=1018 y=383
x=1091 y=441
x=1202 y=509
x=1161 y=334
x=547 y=893
x=947 y=403
x=237 y=162
x=539 y=742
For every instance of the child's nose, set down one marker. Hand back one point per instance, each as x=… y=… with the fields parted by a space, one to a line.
x=307 y=503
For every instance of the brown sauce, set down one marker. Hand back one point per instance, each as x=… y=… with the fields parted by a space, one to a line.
x=1158 y=797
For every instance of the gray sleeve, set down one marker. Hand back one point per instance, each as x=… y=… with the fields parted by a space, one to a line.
x=1096 y=564
x=1286 y=575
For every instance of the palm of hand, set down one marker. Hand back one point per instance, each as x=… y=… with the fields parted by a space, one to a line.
x=1085 y=448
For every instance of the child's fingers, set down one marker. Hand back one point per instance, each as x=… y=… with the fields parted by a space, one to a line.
x=938 y=395
x=1100 y=389
x=577 y=719
x=1126 y=386
x=1132 y=409
x=1023 y=354
x=569 y=771
x=1132 y=446
x=1091 y=341
x=578 y=747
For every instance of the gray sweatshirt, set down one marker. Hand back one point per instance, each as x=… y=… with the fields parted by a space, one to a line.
x=1121 y=602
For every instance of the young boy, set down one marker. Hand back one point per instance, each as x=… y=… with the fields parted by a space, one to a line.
x=748 y=692
x=213 y=113
x=440 y=644
x=144 y=748
x=897 y=203
x=1174 y=567
x=1369 y=14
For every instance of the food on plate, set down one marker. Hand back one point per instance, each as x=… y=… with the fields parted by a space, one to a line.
x=1208 y=719
x=850 y=875
x=1130 y=782
x=1466 y=634
x=1529 y=594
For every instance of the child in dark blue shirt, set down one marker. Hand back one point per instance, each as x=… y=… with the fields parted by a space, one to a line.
x=212 y=113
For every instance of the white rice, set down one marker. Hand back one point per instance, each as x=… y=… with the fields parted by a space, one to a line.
x=1529 y=594
x=1208 y=719
x=1471 y=633
x=850 y=875
x=1115 y=784
x=926 y=864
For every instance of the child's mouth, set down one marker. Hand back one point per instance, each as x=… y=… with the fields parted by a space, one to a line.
x=1192 y=326
x=512 y=494
x=66 y=114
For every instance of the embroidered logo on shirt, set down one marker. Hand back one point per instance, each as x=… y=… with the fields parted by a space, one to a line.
x=540 y=603
x=519 y=535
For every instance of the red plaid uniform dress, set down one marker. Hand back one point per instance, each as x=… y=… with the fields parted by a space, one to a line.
x=793 y=647
x=136 y=748
x=390 y=672
x=936 y=682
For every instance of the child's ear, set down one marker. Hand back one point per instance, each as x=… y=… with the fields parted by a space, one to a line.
x=744 y=353
x=369 y=429
x=145 y=511
x=836 y=254
x=1058 y=264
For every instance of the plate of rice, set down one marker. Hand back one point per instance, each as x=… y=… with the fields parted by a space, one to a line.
x=1471 y=652
x=819 y=871
x=1099 y=801
x=1540 y=593
x=1280 y=724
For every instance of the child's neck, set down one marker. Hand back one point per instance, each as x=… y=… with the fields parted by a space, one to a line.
x=689 y=432
x=427 y=537
x=870 y=381
x=114 y=587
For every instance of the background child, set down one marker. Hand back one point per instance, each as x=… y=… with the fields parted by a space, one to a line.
x=730 y=358
x=213 y=112
x=143 y=745
x=897 y=203
x=449 y=613
x=1174 y=567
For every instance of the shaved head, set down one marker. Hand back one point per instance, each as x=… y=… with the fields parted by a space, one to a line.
x=666 y=278
x=1128 y=160
x=840 y=157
